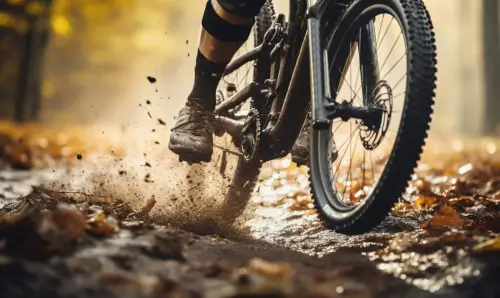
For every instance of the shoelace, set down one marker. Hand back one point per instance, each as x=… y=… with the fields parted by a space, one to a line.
x=200 y=122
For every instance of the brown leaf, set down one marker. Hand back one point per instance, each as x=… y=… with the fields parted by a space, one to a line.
x=64 y=224
x=462 y=202
x=19 y=156
x=260 y=266
x=263 y=277
x=495 y=196
x=37 y=233
x=425 y=202
x=101 y=225
x=444 y=219
x=101 y=229
x=147 y=208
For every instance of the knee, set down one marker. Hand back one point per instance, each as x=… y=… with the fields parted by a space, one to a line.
x=244 y=8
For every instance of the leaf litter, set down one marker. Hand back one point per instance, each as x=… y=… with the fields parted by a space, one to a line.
x=456 y=203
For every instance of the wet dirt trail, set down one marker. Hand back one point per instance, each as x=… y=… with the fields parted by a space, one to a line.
x=111 y=235
x=55 y=246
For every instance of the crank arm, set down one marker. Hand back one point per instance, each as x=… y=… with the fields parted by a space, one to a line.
x=230 y=126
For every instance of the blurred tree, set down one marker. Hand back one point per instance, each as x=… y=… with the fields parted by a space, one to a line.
x=24 y=29
x=491 y=44
x=93 y=44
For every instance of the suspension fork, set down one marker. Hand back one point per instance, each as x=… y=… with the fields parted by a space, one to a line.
x=368 y=59
x=318 y=58
x=368 y=62
x=319 y=64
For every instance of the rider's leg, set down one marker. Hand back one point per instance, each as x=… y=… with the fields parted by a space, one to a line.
x=226 y=25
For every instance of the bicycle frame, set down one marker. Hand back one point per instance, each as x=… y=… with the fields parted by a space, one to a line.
x=309 y=79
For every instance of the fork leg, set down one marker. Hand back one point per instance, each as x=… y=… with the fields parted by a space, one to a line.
x=319 y=89
x=370 y=75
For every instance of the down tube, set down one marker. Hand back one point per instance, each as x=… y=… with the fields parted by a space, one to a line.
x=295 y=108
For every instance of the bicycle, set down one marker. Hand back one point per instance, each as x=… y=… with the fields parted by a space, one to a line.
x=300 y=68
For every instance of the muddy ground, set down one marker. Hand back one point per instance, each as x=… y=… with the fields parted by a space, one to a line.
x=440 y=241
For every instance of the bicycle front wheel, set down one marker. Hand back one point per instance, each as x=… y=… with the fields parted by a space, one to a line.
x=360 y=168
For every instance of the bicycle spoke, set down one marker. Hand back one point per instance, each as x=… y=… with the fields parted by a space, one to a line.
x=397 y=62
x=345 y=183
x=350 y=69
x=246 y=75
x=337 y=127
x=357 y=79
x=390 y=52
x=351 y=153
x=380 y=30
x=364 y=170
x=385 y=33
x=400 y=80
x=350 y=137
x=342 y=158
x=399 y=94
x=349 y=86
x=372 y=168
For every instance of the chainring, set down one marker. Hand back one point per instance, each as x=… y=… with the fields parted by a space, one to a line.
x=250 y=135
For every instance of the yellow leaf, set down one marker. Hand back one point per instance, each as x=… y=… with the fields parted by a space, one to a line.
x=490 y=245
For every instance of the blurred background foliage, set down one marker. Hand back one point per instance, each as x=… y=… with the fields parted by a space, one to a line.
x=98 y=44
x=94 y=47
x=100 y=51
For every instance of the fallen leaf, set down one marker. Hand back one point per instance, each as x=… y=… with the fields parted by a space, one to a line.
x=101 y=225
x=146 y=209
x=444 y=219
x=264 y=277
x=263 y=267
x=425 y=202
x=490 y=245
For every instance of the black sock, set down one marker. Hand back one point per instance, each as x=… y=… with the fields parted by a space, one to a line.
x=207 y=75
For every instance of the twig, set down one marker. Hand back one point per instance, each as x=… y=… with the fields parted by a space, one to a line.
x=37 y=188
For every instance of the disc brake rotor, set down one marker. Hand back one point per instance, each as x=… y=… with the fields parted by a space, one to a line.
x=373 y=134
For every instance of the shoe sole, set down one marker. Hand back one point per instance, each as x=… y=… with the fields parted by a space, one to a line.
x=189 y=156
